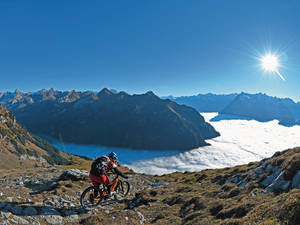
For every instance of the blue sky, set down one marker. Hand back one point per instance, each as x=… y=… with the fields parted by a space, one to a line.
x=170 y=47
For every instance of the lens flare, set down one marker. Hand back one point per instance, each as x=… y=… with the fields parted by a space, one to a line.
x=270 y=63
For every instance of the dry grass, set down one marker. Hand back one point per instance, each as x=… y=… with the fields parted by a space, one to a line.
x=205 y=197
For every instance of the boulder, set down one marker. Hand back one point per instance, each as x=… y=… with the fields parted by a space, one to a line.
x=49 y=211
x=5 y=213
x=269 y=168
x=296 y=180
x=74 y=175
x=278 y=184
x=242 y=184
x=259 y=171
x=17 y=210
x=53 y=219
x=20 y=220
x=272 y=177
x=30 y=211
x=2 y=205
x=73 y=218
x=235 y=180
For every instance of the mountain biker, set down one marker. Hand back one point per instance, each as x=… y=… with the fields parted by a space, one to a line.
x=99 y=169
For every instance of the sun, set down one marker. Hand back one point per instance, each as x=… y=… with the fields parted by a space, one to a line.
x=270 y=63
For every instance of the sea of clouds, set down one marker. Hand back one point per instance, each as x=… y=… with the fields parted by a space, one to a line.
x=241 y=142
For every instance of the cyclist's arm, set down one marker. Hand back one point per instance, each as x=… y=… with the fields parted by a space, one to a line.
x=114 y=169
x=118 y=172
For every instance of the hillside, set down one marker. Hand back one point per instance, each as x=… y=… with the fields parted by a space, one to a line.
x=110 y=119
x=265 y=192
x=19 y=149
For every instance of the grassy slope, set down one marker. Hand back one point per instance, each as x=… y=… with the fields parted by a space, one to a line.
x=196 y=197
x=200 y=198
x=206 y=198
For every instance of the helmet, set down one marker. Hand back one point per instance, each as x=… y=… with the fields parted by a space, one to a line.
x=112 y=155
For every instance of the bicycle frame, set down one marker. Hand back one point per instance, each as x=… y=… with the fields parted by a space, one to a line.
x=116 y=181
x=104 y=194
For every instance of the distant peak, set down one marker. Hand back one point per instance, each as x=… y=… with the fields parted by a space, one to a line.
x=105 y=91
x=113 y=91
x=123 y=93
x=42 y=91
x=150 y=93
x=17 y=91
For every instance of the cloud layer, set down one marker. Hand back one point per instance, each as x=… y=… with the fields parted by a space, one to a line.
x=241 y=141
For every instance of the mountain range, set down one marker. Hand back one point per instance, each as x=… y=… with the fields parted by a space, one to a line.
x=264 y=192
x=259 y=106
x=205 y=102
x=110 y=119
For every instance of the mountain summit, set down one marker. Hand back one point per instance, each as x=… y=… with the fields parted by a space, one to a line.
x=111 y=119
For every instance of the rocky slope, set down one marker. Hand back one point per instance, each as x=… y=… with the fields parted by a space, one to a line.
x=265 y=192
x=18 y=148
x=51 y=195
x=110 y=119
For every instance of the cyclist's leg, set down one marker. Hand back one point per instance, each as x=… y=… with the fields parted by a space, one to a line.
x=107 y=182
x=96 y=181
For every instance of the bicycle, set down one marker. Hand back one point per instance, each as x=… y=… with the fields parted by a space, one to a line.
x=94 y=195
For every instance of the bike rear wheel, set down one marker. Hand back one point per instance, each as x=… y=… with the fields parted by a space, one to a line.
x=91 y=197
x=122 y=190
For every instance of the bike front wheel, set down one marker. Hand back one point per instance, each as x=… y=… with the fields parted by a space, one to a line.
x=122 y=190
x=90 y=198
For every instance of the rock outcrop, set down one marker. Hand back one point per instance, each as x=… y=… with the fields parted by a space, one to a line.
x=279 y=173
x=74 y=174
